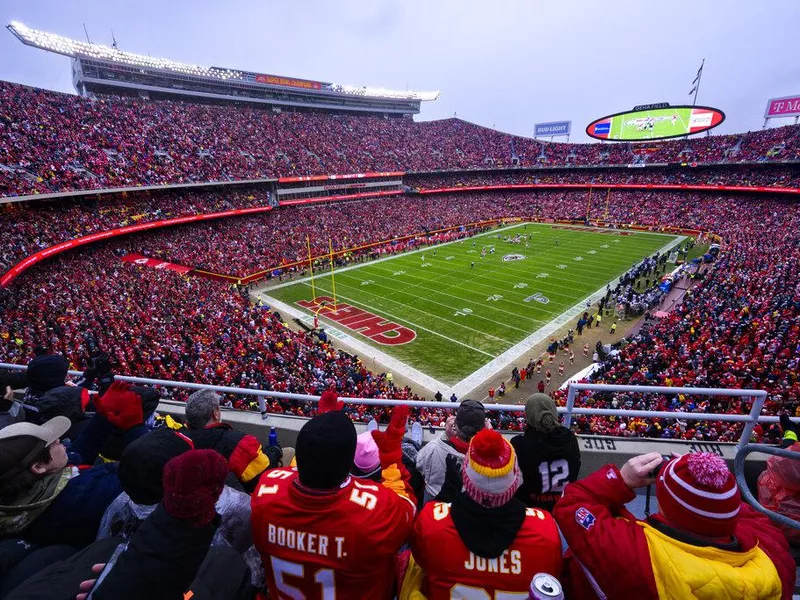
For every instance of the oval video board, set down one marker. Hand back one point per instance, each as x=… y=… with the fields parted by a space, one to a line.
x=655 y=124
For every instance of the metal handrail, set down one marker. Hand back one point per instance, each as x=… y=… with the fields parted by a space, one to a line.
x=568 y=411
x=738 y=471
x=758 y=396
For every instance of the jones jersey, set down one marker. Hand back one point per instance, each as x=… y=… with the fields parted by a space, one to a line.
x=334 y=546
x=452 y=572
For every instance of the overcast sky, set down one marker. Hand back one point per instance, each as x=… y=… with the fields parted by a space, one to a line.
x=501 y=63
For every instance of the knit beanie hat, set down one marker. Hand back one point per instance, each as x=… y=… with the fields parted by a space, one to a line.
x=490 y=472
x=367 y=460
x=325 y=449
x=541 y=413
x=46 y=372
x=193 y=482
x=698 y=493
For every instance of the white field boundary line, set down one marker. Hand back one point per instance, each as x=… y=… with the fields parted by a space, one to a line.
x=380 y=312
x=443 y=244
x=390 y=257
x=363 y=349
x=477 y=377
x=447 y=306
x=509 y=356
x=476 y=279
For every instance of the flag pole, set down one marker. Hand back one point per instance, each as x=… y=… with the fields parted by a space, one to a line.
x=697 y=81
x=311 y=267
x=333 y=279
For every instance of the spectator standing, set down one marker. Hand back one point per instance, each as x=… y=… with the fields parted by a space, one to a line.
x=431 y=460
x=321 y=532
x=548 y=454
x=485 y=539
x=704 y=542
x=246 y=458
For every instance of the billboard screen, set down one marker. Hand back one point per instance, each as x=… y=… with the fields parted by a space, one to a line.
x=789 y=106
x=655 y=124
x=552 y=128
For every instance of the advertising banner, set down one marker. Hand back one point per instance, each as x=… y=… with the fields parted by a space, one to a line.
x=788 y=106
x=552 y=128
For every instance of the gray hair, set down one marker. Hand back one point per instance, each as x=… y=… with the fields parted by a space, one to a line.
x=200 y=408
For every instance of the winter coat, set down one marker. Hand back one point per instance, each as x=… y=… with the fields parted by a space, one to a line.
x=431 y=463
x=73 y=516
x=612 y=555
x=555 y=453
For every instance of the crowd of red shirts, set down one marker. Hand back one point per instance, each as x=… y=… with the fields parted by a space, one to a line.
x=56 y=142
x=738 y=327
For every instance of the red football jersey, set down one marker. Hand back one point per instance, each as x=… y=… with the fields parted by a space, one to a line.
x=452 y=572
x=333 y=546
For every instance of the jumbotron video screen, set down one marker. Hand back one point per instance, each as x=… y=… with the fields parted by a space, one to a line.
x=655 y=124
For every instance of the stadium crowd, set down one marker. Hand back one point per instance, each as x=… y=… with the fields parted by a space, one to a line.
x=191 y=329
x=56 y=142
x=32 y=226
x=765 y=175
x=117 y=503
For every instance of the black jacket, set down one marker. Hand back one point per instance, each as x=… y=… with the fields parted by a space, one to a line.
x=548 y=462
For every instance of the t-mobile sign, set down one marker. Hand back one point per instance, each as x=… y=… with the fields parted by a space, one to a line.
x=783 y=107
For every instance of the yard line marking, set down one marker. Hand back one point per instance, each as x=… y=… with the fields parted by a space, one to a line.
x=393 y=288
x=363 y=349
x=381 y=312
x=426 y=285
x=424 y=312
x=504 y=360
x=385 y=258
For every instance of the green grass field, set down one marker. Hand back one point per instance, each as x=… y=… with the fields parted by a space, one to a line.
x=463 y=316
x=666 y=122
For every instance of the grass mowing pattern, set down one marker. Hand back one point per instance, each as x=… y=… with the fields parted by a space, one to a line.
x=464 y=316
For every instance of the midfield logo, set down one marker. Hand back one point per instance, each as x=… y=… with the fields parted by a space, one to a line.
x=513 y=257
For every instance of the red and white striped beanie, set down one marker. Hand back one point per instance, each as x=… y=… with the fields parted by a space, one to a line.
x=698 y=493
x=491 y=473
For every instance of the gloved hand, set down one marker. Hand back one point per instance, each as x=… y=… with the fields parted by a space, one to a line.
x=389 y=441
x=329 y=401
x=121 y=406
x=453 y=480
x=790 y=431
x=275 y=456
x=193 y=482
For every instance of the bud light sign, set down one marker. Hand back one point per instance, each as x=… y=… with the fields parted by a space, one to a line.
x=551 y=129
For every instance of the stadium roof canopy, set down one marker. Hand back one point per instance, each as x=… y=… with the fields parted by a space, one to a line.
x=100 y=69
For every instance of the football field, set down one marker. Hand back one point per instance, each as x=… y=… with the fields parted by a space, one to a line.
x=431 y=310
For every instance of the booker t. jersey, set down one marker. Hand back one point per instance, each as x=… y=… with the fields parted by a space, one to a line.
x=452 y=572
x=340 y=545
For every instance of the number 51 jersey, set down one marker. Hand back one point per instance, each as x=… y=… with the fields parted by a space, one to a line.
x=336 y=545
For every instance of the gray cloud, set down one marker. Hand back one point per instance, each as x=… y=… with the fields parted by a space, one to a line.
x=508 y=62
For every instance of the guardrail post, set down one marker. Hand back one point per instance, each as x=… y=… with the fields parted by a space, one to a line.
x=571 y=391
x=755 y=412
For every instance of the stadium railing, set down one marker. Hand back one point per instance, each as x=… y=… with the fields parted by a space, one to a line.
x=758 y=397
x=739 y=471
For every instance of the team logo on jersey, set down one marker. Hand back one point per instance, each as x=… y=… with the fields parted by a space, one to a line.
x=584 y=518
x=537 y=297
x=513 y=257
